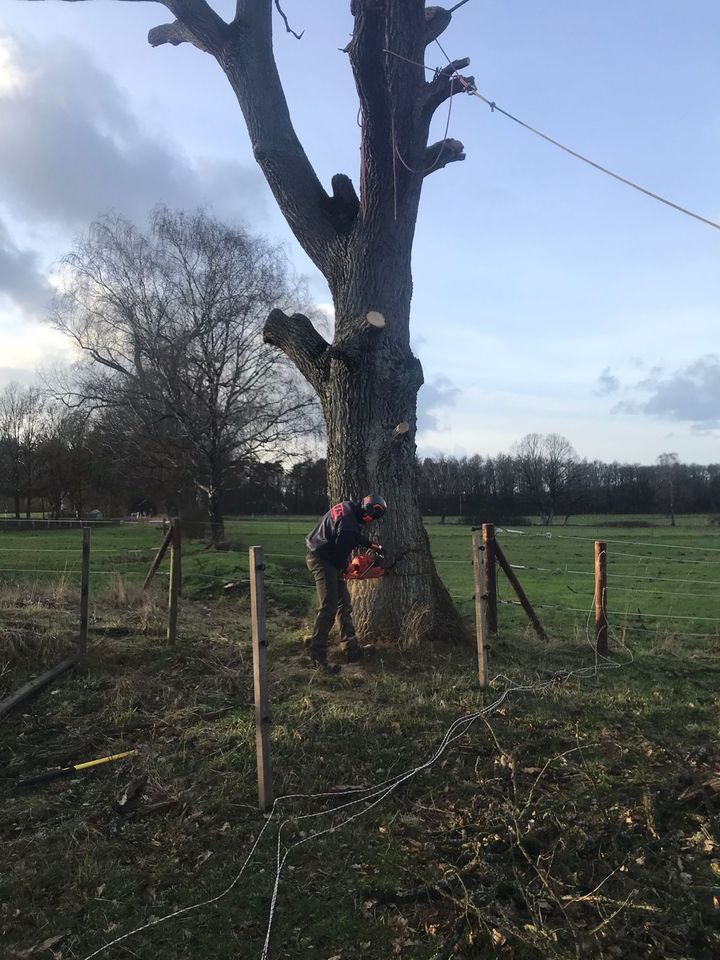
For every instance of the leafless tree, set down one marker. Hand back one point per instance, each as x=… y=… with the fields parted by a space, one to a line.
x=367 y=379
x=666 y=484
x=21 y=434
x=169 y=323
x=547 y=470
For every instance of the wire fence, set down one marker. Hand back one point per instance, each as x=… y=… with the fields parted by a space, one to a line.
x=644 y=590
x=555 y=568
x=556 y=588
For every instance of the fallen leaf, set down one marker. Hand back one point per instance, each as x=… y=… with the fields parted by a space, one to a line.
x=498 y=938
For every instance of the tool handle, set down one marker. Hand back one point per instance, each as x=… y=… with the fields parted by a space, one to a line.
x=55 y=774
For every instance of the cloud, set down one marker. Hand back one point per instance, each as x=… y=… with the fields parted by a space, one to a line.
x=433 y=396
x=72 y=148
x=24 y=344
x=606 y=383
x=690 y=394
x=21 y=280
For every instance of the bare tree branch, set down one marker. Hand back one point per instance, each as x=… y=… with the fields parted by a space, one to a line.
x=439 y=154
x=300 y=341
x=289 y=29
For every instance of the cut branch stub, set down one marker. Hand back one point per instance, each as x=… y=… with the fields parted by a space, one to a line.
x=437 y=20
x=344 y=203
x=401 y=429
x=441 y=153
x=446 y=84
x=375 y=320
x=175 y=34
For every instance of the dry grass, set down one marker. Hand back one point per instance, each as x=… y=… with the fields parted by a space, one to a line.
x=579 y=823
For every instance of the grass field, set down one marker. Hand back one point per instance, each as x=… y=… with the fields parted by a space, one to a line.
x=580 y=818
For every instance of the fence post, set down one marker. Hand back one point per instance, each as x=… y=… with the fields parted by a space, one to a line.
x=489 y=578
x=174 y=588
x=84 y=595
x=167 y=540
x=481 y=606
x=601 y=624
x=262 y=706
x=521 y=595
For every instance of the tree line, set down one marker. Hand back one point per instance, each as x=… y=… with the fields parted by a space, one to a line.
x=178 y=403
x=60 y=461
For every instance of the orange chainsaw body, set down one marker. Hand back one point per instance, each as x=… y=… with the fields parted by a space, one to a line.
x=363 y=566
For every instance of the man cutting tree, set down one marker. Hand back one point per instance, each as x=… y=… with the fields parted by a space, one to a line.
x=330 y=546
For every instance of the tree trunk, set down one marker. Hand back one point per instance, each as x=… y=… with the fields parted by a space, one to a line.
x=367 y=381
x=217 y=524
x=371 y=387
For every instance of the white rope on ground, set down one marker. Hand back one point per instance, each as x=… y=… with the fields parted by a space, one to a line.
x=371 y=796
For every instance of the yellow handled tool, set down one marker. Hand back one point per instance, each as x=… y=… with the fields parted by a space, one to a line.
x=71 y=771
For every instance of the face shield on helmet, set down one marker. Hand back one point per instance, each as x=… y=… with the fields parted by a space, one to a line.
x=372 y=508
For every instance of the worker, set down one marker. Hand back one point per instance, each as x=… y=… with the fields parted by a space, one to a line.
x=329 y=546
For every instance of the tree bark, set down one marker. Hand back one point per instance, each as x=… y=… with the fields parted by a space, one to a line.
x=371 y=386
x=217 y=523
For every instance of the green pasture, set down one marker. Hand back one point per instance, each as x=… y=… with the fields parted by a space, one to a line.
x=662 y=580
x=578 y=819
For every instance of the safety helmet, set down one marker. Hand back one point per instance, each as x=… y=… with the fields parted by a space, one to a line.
x=373 y=507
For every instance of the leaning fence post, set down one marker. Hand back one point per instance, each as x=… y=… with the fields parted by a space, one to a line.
x=601 y=623
x=489 y=578
x=481 y=606
x=84 y=595
x=174 y=588
x=262 y=705
x=167 y=540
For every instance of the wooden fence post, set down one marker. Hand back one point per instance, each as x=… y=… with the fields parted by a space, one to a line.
x=521 y=595
x=260 y=682
x=167 y=540
x=489 y=578
x=174 y=588
x=601 y=623
x=481 y=606
x=84 y=595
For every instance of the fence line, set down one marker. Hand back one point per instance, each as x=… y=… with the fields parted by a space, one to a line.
x=652 y=559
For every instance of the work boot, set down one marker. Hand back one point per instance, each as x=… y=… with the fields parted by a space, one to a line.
x=355 y=651
x=318 y=655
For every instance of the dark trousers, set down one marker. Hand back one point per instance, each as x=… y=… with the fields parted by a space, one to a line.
x=333 y=603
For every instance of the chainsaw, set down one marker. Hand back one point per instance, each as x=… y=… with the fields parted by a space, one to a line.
x=365 y=564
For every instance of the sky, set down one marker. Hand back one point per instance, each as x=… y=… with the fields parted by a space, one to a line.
x=547 y=296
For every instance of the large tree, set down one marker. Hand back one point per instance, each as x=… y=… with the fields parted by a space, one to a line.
x=169 y=323
x=367 y=379
x=547 y=468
